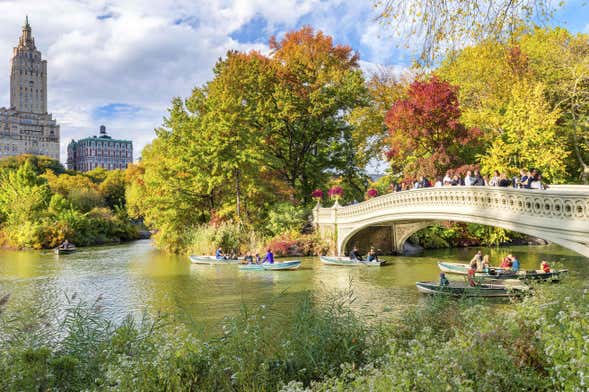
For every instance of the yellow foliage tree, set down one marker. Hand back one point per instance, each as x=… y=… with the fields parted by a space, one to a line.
x=528 y=136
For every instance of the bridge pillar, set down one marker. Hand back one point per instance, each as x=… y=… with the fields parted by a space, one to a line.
x=400 y=232
x=388 y=237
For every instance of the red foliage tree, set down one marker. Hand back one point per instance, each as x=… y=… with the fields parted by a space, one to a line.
x=426 y=136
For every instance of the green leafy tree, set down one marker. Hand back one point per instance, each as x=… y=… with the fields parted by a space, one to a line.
x=112 y=189
x=560 y=60
x=489 y=72
x=265 y=129
x=23 y=195
x=319 y=83
x=40 y=164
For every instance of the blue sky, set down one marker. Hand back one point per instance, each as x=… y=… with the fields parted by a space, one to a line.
x=120 y=62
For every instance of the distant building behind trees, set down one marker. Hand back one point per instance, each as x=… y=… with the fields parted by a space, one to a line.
x=99 y=151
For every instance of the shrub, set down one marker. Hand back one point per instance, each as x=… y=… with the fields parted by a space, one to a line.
x=285 y=218
x=296 y=244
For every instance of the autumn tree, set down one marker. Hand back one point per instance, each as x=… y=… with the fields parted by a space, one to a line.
x=560 y=60
x=491 y=74
x=426 y=135
x=529 y=136
x=265 y=129
x=307 y=136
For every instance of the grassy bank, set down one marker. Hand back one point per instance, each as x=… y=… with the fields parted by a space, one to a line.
x=539 y=344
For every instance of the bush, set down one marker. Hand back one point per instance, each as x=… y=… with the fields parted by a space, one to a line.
x=453 y=234
x=537 y=344
x=295 y=244
x=253 y=351
x=286 y=218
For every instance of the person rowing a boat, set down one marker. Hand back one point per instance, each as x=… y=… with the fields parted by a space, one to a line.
x=269 y=258
x=477 y=260
x=443 y=280
x=372 y=255
x=545 y=267
x=66 y=245
x=219 y=255
x=486 y=264
x=249 y=259
x=471 y=274
x=355 y=254
x=506 y=263
x=514 y=264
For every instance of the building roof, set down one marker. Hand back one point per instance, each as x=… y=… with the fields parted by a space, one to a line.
x=102 y=138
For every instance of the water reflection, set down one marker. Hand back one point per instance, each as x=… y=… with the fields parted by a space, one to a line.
x=135 y=277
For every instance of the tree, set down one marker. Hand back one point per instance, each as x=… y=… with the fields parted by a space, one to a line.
x=112 y=189
x=446 y=25
x=369 y=129
x=23 y=195
x=426 y=136
x=529 y=136
x=234 y=113
x=558 y=60
x=38 y=163
x=83 y=194
x=307 y=136
x=264 y=130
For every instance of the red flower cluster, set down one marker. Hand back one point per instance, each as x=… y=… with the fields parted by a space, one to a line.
x=317 y=194
x=372 y=193
x=335 y=192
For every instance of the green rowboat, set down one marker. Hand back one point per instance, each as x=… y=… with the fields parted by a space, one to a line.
x=65 y=251
x=463 y=289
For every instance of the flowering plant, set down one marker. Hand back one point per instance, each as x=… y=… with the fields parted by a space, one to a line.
x=317 y=194
x=335 y=192
x=371 y=193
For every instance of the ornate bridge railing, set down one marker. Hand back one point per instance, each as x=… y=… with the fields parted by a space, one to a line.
x=559 y=214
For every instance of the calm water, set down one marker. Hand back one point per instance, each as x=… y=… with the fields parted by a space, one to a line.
x=135 y=278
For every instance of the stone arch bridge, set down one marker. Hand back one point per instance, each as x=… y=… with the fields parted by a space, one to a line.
x=559 y=214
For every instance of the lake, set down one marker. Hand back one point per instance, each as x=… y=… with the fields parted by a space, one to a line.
x=134 y=278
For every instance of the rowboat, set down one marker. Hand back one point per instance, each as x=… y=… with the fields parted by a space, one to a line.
x=65 y=251
x=463 y=289
x=211 y=260
x=459 y=268
x=501 y=273
x=537 y=275
x=345 y=261
x=285 y=265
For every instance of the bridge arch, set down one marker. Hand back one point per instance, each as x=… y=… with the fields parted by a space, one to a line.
x=559 y=215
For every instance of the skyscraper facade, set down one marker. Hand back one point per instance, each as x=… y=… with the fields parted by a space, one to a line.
x=26 y=127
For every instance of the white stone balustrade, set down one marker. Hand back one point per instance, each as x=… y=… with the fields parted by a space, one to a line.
x=559 y=214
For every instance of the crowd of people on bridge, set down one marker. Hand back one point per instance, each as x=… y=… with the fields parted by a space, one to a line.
x=528 y=179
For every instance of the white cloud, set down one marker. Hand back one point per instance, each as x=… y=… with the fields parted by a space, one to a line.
x=143 y=53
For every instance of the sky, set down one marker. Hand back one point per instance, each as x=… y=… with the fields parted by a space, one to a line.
x=119 y=63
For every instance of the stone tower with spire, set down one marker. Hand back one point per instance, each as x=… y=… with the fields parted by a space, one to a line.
x=28 y=75
x=26 y=127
